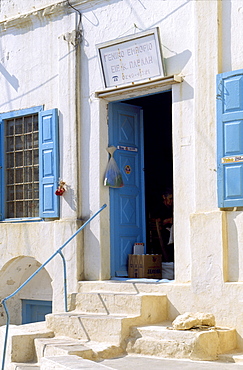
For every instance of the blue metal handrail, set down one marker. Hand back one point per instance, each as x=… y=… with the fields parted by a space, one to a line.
x=59 y=251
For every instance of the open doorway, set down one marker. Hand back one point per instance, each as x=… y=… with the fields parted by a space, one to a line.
x=158 y=165
x=141 y=131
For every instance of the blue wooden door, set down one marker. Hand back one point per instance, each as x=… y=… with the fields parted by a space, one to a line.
x=34 y=311
x=127 y=210
x=230 y=138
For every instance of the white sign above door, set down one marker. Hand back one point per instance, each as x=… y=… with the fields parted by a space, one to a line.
x=131 y=59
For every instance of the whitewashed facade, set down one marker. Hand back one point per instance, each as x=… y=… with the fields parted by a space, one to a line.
x=45 y=63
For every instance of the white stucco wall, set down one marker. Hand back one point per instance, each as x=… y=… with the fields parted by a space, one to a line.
x=103 y=23
x=13 y=274
x=39 y=65
x=199 y=40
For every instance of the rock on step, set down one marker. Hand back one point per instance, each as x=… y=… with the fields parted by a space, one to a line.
x=199 y=344
x=70 y=363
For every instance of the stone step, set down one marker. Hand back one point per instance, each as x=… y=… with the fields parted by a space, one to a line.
x=24 y=366
x=114 y=286
x=121 y=303
x=89 y=327
x=49 y=347
x=70 y=362
x=118 y=313
x=233 y=356
x=94 y=351
x=20 y=347
x=196 y=344
x=138 y=285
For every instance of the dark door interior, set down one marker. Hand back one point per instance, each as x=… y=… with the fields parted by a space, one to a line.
x=158 y=157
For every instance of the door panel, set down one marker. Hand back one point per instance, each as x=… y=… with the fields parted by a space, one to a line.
x=34 y=311
x=126 y=203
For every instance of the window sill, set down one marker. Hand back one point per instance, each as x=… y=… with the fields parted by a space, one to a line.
x=16 y=220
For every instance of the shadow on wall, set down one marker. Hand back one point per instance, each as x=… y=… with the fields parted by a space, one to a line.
x=14 y=82
x=233 y=256
x=226 y=45
x=176 y=63
x=14 y=273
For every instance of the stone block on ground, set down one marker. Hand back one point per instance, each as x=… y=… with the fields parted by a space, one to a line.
x=161 y=340
x=190 y=320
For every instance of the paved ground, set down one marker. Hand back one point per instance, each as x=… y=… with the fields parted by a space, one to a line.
x=148 y=363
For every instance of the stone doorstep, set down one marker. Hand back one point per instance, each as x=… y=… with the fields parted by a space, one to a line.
x=108 y=303
x=119 y=303
x=139 y=285
x=69 y=363
x=161 y=341
x=114 y=286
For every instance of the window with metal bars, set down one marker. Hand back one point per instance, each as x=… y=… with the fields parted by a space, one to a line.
x=29 y=164
x=22 y=167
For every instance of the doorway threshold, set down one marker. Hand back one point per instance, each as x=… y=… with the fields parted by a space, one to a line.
x=142 y=280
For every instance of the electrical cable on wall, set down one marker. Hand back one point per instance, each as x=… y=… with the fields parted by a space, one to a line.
x=79 y=26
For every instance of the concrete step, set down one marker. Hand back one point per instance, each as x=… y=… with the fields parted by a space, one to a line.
x=103 y=317
x=114 y=286
x=232 y=356
x=21 y=341
x=49 y=347
x=117 y=303
x=107 y=317
x=196 y=344
x=94 y=351
x=138 y=285
x=70 y=362
x=24 y=366
x=89 y=327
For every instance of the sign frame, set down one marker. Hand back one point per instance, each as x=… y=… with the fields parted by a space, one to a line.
x=130 y=59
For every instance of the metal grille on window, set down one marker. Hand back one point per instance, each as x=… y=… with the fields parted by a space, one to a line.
x=22 y=167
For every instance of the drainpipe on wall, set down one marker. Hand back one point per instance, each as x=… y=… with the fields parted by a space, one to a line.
x=75 y=39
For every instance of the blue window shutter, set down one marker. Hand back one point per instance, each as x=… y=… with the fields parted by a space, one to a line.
x=230 y=139
x=49 y=163
x=1 y=170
